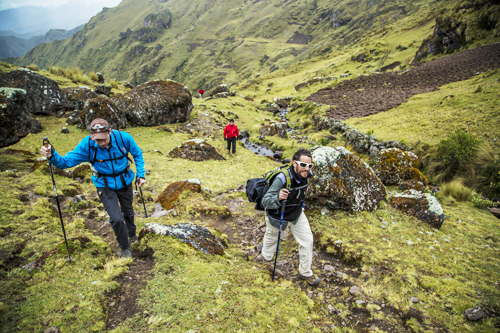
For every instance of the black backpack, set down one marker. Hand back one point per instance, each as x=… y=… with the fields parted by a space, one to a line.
x=257 y=187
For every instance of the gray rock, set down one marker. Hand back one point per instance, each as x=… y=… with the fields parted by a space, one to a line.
x=475 y=313
x=258 y=247
x=324 y=211
x=79 y=198
x=51 y=329
x=162 y=213
x=413 y=299
x=354 y=290
x=329 y=268
x=102 y=89
x=331 y=309
x=339 y=274
x=158 y=207
x=65 y=130
x=360 y=301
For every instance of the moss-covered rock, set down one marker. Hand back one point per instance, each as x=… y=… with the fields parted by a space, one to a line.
x=395 y=165
x=157 y=102
x=43 y=95
x=15 y=120
x=423 y=206
x=75 y=97
x=412 y=184
x=173 y=191
x=222 y=88
x=102 y=107
x=343 y=181
x=274 y=128
x=196 y=150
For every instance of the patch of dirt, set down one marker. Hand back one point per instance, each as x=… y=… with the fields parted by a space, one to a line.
x=368 y=95
x=299 y=38
x=122 y=303
x=193 y=46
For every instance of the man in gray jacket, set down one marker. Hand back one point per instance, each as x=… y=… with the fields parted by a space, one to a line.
x=290 y=185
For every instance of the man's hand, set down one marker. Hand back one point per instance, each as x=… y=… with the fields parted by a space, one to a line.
x=46 y=151
x=140 y=181
x=283 y=195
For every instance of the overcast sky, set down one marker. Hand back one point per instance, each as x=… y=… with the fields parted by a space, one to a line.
x=6 y=4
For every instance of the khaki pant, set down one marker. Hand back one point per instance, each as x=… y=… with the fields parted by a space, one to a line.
x=303 y=236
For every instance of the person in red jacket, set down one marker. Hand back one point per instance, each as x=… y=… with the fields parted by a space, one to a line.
x=231 y=134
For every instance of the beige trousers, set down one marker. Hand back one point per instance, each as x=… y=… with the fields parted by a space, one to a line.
x=303 y=236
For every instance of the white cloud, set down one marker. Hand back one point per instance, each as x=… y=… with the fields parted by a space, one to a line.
x=6 y=4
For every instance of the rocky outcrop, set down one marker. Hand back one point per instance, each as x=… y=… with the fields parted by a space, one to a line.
x=77 y=96
x=423 y=206
x=343 y=181
x=274 y=128
x=102 y=89
x=192 y=234
x=157 y=102
x=412 y=184
x=196 y=150
x=102 y=107
x=394 y=166
x=15 y=120
x=449 y=35
x=173 y=191
x=222 y=88
x=43 y=95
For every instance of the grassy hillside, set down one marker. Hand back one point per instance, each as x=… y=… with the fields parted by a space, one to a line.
x=203 y=43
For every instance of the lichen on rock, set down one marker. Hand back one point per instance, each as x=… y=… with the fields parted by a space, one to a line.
x=102 y=107
x=423 y=206
x=196 y=236
x=395 y=165
x=343 y=181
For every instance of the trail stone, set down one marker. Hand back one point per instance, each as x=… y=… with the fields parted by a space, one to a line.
x=65 y=130
x=192 y=234
x=329 y=268
x=15 y=120
x=354 y=290
x=196 y=150
x=475 y=313
x=51 y=329
x=174 y=190
x=258 y=247
x=343 y=181
x=413 y=299
x=325 y=211
x=162 y=213
x=423 y=206
x=157 y=102
x=331 y=309
x=43 y=95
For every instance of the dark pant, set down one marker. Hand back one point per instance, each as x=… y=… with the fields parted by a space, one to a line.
x=121 y=219
x=230 y=142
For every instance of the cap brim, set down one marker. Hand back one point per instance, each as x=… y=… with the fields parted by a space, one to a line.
x=99 y=135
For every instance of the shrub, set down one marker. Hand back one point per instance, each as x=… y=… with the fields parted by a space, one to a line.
x=480 y=202
x=479 y=89
x=456 y=150
x=489 y=180
x=53 y=70
x=76 y=71
x=33 y=67
x=60 y=71
x=93 y=76
x=457 y=190
x=324 y=141
x=85 y=79
x=113 y=83
x=306 y=123
x=308 y=109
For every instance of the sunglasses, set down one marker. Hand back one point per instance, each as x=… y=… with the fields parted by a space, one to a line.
x=98 y=129
x=303 y=164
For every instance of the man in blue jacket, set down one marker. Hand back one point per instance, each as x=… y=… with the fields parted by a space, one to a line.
x=107 y=150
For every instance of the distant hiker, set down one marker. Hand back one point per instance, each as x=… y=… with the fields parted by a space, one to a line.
x=107 y=150
x=290 y=185
x=201 y=92
x=231 y=134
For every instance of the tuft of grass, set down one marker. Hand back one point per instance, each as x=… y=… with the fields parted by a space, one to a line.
x=457 y=190
x=53 y=70
x=113 y=83
x=33 y=67
x=93 y=76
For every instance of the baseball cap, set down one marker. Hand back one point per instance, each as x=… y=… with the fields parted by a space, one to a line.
x=99 y=129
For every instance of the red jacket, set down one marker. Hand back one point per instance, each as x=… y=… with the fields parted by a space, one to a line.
x=231 y=131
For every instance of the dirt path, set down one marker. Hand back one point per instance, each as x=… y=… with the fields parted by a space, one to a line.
x=368 y=95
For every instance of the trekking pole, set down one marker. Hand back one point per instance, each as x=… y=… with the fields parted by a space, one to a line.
x=283 y=204
x=140 y=189
x=46 y=143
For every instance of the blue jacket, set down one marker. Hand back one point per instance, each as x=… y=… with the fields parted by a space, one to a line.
x=84 y=152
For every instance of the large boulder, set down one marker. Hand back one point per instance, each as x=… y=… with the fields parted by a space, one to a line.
x=77 y=96
x=157 y=102
x=194 y=235
x=15 y=120
x=43 y=95
x=343 y=181
x=102 y=107
x=423 y=206
x=173 y=191
x=395 y=165
x=196 y=150
x=274 y=128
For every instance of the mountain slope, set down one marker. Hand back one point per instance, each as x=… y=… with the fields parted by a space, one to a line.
x=218 y=41
x=11 y=46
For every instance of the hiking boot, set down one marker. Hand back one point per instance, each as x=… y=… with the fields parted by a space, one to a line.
x=229 y=151
x=126 y=253
x=233 y=154
x=133 y=239
x=311 y=280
